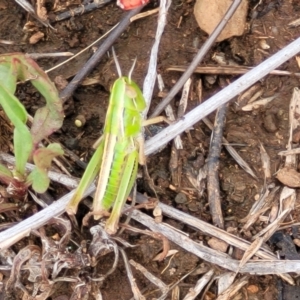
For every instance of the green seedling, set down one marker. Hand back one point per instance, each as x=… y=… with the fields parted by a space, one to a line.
x=19 y=67
x=118 y=154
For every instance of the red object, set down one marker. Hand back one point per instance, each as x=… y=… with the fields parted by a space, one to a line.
x=131 y=4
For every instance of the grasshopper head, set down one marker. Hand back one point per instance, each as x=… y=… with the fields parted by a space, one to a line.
x=135 y=99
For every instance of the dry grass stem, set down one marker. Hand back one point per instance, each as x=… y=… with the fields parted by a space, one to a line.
x=240 y=161
x=153 y=279
x=201 y=283
x=225 y=95
x=229 y=70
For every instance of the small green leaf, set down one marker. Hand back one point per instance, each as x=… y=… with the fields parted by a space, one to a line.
x=6 y=175
x=47 y=119
x=17 y=114
x=39 y=180
x=19 y=67
x=8 y=78
x=42 y=158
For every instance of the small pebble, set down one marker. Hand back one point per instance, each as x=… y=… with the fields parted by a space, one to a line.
x=296 y=135
x=252 y=289
x=157 y=213
x=210 y=80
x=217 y=244
x=297 y=242
x=80 y=121
x=289 y=176
x=180 y=198
x=36 y=37
x=193 y=206
x=264 y=45
x=270 y=123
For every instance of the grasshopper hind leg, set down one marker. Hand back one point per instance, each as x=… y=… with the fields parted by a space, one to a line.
x=126 y=185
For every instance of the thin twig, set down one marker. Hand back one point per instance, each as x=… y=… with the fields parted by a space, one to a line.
x=43 y=216
x=229 y=70
x=272 y=266
x=198 y=58
x=83 y=50
x=219 y=258
x=134 y=288
x=145 y=14
x=222 y=97
x=213 y=184
x=153 y=279
x=151 y=75
x=93 y=61
x=58 y=207
x=80 y=10
x=233 y=289
x=201 y=283
x=29 y=8
x=43 y=55
x=232 y=151
x=174 y=166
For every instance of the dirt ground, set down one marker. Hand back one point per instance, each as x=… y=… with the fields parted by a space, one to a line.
x=247 y=130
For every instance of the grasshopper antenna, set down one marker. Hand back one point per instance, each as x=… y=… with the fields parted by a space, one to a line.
x=117 y=62
x=131 y=70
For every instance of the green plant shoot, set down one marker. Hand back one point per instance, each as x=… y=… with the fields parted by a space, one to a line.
x=117 y=156
x=47 y=119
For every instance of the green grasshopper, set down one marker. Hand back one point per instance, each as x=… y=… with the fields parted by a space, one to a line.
x=118 y=153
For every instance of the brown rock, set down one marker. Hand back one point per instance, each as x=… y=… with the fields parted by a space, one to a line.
x=36 y=37
x=209 y=13
x=296 y=135
x=237 y=253
x=270 y=123
x=217 y=244
x=253 y=289
x=289 y=177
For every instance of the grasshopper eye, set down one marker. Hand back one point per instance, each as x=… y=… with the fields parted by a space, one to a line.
x=130 y=91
